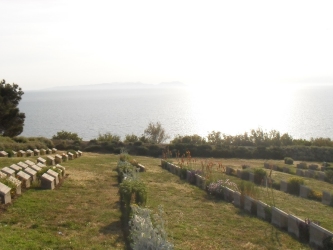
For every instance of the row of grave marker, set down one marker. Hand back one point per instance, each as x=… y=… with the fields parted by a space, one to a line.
x=279 y=218
x=24 y=173
x=35 y=152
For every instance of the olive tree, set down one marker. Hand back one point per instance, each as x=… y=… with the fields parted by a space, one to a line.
x=155 y=133
x=11 y=120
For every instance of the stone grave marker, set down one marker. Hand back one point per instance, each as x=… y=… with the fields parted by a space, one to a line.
x=279 y=218
x=64 y=157
x=313 y=166
x=143 y=169
x=251 y=177
x=266 y=165
x=54 y=150
x=228 y=170
x=80 y=153
x=14 y=153
x=304 y=191
x=286 y=170
x=188 y=176
x=70 y=156
x=36 y=168
x=31 y=172
x=50 y=160
x=42 y=151
x=29 y=152
x=238 y=199
x=327 y=198
x=21 y=153
x=239 y=173
x=321 y=176
x=41 y=165
x=17 y=183
x=36 y=152
x=54 y=174
x=5 y=193
x=47 y=181
x=284 y=186
x=58 y=159
x=29 y=163
x=275 y=167
x=299 y=172
x=41 y=160
x=15 y=168
x=261 y=210
x=250 y=205
x=293 y=225
x=200 y=181
x=8 y=171
x=228 y=194
x=63 y=169
x=22 y=165
x=3 y=154
x=318 y=234
x=25 y=178
x=48 y=151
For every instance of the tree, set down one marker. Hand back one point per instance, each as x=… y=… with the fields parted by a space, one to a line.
x=65 y=135
x=155 y=133
x=11 y=120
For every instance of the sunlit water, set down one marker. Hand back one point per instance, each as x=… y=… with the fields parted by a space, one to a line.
x=301 y=112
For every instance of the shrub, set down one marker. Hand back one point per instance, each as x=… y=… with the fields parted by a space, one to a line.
x=315 y=195
x=288 y=160
x=259 y=175
x=216 y=189
x=329 y=176
x=108 y=137
x=302 y=165
x=294 y=184
x=65 y=135
x=142 y=150
x=245 y=175
x=137 y=143
x=93 y=148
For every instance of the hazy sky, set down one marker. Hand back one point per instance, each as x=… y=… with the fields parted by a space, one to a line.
x=204 y=43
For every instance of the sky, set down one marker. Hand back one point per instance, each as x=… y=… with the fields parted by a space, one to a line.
x=204 y=44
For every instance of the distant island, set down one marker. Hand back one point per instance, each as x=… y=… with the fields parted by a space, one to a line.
x=120 y=85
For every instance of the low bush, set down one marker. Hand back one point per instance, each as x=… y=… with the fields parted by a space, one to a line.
x=294 y=184
x=288 y=160
x=245 y=174
x=259 y=175
x=315 y=195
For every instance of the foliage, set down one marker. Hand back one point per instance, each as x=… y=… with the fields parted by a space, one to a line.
x=329 y=176
x=65 y=135
x=155 y=133
x=10 y=184
x=288 y=160
x=11 y=120
x=259 y=175
x=131 y=138
x=108 y=137
x=192 y=139
x=302 y=165
x=249 y=189
x=294 y=184
x=147 y=231
x=315 y=195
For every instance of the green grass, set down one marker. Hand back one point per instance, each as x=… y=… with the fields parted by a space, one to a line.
x=84 y=212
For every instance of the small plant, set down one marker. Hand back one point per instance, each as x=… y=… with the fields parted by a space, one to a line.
x=294 y=184
x=249 y=189
x=288 y=160
x=315 y=195
x=259 y=175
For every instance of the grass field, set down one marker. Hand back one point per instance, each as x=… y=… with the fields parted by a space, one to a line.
x=84 y=212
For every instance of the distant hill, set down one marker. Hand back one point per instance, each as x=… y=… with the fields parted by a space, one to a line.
x=121 y=85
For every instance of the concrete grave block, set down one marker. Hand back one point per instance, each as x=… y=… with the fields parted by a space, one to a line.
x=54 y=174
x=238 y=199
x=266 y=165
x=279 y=218
x=251 y=177
x=228 y=170
x=14 y=153
x=24 y=178
x=43 y=151
x=64 y=157
x=299 y=172
x=36 y=152
x=304 y=191
x=54 y=150
x=200 y=181
x=3 y=154
x=228 y=194
x=177 y=170
x=47 y=181
x=31 y=172
x=50 y=160
x=36 y=168
x=284 y=186
x=250 y=205
x=29 y=152
x=41 y=165
x=63 y=169
x=41 y=160
x=8 y=171
x=29 y=163
x=318 y=234
x=293 y=225
x=239 y=173
x=321 y=176
x=21 y=153
x=262 y=209
x=22 y=165
x=80 y=153
x=143 y=169
x=15 y=168
x=70 y=156
x=188 y=176
x=275 y=167
x=310 y=173
x=48 y=151
x=17 y=183
x=327 y=198
x=313 y=166
x=286 y=170
x=58 y=159
x=5 y=193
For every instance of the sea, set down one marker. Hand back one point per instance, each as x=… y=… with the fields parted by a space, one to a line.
x=304 y=112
